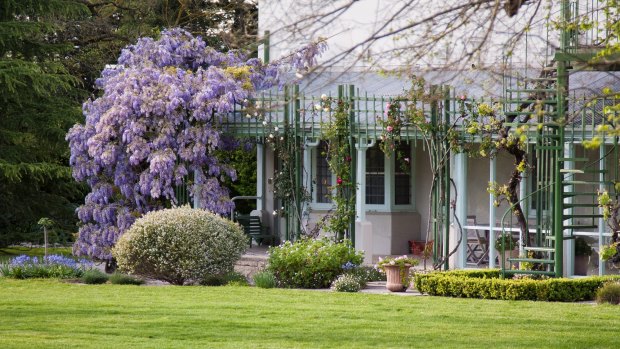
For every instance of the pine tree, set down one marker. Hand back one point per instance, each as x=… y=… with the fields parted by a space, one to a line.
x=39 y=101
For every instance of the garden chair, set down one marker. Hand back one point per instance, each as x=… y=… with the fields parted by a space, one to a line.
x=477 y=243
x=255 y=230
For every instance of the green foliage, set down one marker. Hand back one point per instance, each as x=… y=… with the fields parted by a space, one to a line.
x=505 y=242
x=609 y=251
x=311 y=263
x=609 y=293
x=123 y=279
x=40 y=100
x=347 y=283
x=488 y=286
x=265 y=279
x=212 y=280
x=235 y=279
x=366 y=274
x=94 y=277
x=337 y=136
x=180 y=245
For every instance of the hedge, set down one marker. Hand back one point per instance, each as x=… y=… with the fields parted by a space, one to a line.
x=486 y=284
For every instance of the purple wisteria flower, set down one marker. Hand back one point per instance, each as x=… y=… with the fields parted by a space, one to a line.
x=155 y=123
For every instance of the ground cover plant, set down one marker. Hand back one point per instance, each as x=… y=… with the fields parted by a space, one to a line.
x=54 y=314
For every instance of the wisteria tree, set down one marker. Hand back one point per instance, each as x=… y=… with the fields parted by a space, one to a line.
x=155 y=123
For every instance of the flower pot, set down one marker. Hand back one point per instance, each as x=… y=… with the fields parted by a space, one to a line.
x=394 y=274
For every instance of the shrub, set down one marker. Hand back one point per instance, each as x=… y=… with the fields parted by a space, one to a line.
x=265 y=279
x=94 y=277
x=52 y=266
x=609 y=293
x=212 y=280
x=347 y=283
x=366 y=274
x=483 y=285
x=235 y=279
x=180 y=245
x=123 y=279
x=311 y=263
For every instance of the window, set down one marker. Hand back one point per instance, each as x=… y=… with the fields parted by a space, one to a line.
x=323 y=175
x=402 y=175
x=375 y=175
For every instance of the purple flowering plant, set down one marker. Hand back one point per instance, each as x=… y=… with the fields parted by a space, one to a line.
x=52 y=266
x=155 y=124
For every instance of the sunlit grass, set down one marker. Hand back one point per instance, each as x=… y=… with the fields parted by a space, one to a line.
x=47 y=313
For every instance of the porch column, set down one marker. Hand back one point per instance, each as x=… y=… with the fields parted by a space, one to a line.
x=307 y=178
x=363 y=228
x=601 y=222
x=493 y=179
x=197 y=194
x=260 y=176
x=460 y=169
x=360 y=192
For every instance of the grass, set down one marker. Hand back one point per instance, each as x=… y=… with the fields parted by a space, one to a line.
x=14 y=251
x=53 y=314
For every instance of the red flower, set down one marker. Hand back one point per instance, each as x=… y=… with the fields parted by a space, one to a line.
x=339 y=180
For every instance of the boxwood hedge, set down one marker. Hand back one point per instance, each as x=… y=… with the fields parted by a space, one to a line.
x=486 y=284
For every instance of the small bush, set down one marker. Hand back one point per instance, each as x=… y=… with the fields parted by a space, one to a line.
x=265 y=279
x=94 y=277
x=52 y=266
x=180 y=245
x=212 y=280
x=366 y=274
x=609 y=293
x=481 y=284
x=311 y=263
x=123 y=279
x=347 y=283
x=235 y=279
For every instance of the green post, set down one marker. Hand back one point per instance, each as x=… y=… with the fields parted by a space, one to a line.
x=437 y=178
x=287 y=232
x=266 y=47
x=352 y=154
x=446 y=202
x=298 y=165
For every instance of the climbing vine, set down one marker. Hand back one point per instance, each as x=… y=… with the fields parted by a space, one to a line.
x=338 y=154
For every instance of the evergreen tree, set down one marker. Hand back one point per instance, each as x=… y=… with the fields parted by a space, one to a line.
x=39 y=101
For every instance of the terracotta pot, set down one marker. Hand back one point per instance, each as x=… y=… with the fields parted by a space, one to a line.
x=394 y=280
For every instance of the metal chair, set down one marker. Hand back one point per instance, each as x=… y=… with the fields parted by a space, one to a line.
x=477 y=244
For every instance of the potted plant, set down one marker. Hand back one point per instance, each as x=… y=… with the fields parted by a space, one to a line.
x=396 y=270
x=506 y=246
x=583 y=251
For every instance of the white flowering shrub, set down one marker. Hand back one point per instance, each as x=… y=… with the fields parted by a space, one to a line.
x=180 y=245
x=347 y=283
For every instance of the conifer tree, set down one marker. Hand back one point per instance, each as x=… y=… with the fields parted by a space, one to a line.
x=39 y=100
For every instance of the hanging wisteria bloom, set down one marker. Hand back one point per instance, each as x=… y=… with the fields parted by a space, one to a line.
x=155 y=124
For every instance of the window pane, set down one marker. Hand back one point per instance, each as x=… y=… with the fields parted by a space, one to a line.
x=375 y=167
x=323 y=175
x=402 y=175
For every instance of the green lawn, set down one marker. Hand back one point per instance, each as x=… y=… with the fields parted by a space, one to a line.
x=53 y=314
x=14 y=251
